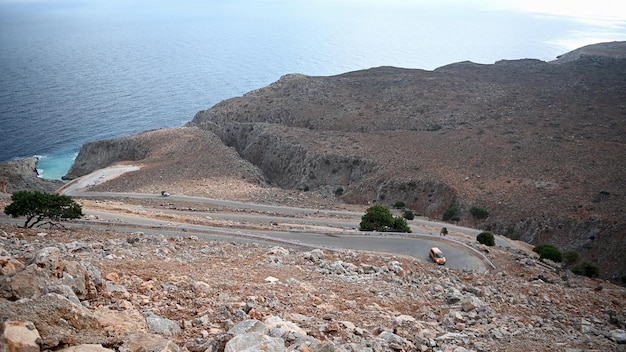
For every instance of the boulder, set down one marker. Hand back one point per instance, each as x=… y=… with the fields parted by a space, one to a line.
x=8 y=265
x=47 y=268
x=140 y=342
x=57 y=319
x=255 y=341
x=280 y=328
x=618 y=336
x=19 y=336
x=453 y=296
x=248 y=326
x=159 y=325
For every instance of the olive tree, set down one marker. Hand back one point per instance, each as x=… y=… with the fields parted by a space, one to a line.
x=38 y=206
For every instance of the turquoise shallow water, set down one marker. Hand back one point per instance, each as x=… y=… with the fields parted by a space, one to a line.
x=74 y=72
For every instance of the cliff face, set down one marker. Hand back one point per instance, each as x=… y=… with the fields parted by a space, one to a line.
x=21 y=175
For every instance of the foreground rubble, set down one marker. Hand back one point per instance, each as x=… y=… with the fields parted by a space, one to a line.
x=88 y=290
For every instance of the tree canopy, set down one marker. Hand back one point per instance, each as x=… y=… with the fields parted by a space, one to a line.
x=38 y=206
x=379 y=218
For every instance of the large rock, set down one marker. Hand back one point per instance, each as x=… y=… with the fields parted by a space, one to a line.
x=255 y=341
x=47 y=268
x=148 y=342
x=159 y=325
x=8 y=265
x=58 y=320
x=19 y=336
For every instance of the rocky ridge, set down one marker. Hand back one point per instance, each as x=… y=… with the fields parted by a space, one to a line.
x=83 y=289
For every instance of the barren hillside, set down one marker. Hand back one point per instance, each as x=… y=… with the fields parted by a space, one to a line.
x=539 y=145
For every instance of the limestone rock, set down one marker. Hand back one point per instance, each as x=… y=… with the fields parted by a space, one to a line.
x=159 y=325
x=618 y=336
x=281 y=328
x=255 y=341
x=140 y=342
x=8 y=265
x=249 y=326
x=58 y=320
x=47 y=268
x=19 y=336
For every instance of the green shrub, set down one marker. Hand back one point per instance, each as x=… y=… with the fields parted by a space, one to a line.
x=339 y=191
x=399 y=205
x=479 y=213
x=571 y=257
x=486 y=238
x=450 y=213
x=400 y=225
x=409 y=215
x=586 y=269
x=379 y=218
x=549 y=251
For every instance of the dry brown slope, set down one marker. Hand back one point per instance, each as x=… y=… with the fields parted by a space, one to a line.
x=540 y=145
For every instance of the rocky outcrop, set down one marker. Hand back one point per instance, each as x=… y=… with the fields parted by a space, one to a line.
x=100 y=154
x=22 y=175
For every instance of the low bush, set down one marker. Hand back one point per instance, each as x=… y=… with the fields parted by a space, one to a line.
x=586 y=269
x=339 y=191
x=399 y=205
x=571 y=257
x=486 y=238
x=409 y=215
x=549 y=251
x=479 y=213
x=400 y=225
x=450 y=213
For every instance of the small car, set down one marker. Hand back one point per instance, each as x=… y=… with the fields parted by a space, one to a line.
x=437 y=256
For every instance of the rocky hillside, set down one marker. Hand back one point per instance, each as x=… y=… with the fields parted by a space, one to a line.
x=538 y=145
x=88 y=290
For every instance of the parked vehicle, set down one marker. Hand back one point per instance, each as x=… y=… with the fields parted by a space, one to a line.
x=437 y=256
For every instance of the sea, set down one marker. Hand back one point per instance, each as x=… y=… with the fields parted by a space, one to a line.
x=78 y=71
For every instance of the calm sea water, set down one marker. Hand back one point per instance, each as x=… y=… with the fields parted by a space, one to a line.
x=74 y=72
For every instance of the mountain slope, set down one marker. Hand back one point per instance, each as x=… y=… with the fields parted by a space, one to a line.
x=539 y=145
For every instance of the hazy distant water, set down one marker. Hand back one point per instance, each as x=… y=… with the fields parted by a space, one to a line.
x=72 y=73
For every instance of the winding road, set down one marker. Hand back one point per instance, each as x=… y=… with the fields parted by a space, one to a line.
x=310 y=228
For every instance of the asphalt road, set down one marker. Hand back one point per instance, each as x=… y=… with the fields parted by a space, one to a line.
x=343 y=235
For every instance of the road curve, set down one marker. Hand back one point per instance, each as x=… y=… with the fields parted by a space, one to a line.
x=417 y=245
